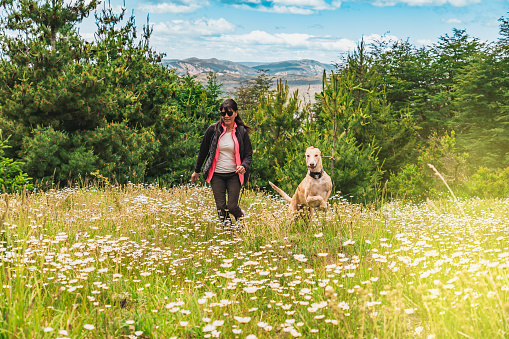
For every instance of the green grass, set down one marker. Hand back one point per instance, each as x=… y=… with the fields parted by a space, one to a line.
x=146 y=262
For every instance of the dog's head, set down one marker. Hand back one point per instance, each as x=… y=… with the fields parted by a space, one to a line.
x=313 y=159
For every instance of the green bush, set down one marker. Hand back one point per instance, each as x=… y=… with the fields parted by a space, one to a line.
x=12 y=178
x=43 y=153
x=411 y=184
x=122 y=152
x=416 y=182
x=488 y=183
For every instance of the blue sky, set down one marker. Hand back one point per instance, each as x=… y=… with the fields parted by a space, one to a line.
x=322 y=30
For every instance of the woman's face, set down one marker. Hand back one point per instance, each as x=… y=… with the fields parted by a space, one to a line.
x=227 y=119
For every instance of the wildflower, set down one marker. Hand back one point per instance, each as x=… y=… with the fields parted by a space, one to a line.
x=138 y=333
x=348 y=242
x=88 y=327
x=243 y=320
x=432 y=253
x=129 y=322
x=48 y=329
x=424 y=275
x=300 y=257
x=343 y=305
x=209 y=328
x=319 y=235
x=251 y=289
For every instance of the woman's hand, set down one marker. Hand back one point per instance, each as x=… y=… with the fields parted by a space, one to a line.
x=240 y=169
x=195 y=176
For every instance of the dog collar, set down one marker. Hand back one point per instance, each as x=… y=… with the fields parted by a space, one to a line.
x=316 y=175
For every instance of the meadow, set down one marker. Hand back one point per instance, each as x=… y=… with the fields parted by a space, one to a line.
x=150 y=262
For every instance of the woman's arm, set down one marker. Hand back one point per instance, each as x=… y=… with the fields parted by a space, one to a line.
x=204 y=148
x=248 y=152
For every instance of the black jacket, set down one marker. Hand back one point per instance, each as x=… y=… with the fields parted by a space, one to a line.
x=209 y=146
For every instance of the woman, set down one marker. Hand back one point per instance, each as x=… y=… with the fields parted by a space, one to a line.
x=229 y=151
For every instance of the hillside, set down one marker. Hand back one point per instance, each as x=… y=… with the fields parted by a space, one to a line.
x=306 y=85
x=302 y=75
x=195 y=66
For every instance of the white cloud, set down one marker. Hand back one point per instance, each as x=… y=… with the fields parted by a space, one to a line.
x=184 y=6
x=254 y=46
x=377 y=37
x=424 y=42
x=302 y=7
x=452 y=21
x=313 y=4
x=277 y=9
x=286 y=40
x=200 y=27
x=88 y=36
x=455 y=3
x=492 y=23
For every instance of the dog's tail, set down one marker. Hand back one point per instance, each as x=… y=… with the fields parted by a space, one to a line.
x=280 y=191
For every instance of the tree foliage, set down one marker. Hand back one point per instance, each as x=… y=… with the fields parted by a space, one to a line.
x=12 y=178
x=75 y=107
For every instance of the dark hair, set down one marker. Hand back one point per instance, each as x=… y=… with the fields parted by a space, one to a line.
x=231 y=106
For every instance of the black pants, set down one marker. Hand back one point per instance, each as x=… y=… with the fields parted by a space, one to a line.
x=222 y=183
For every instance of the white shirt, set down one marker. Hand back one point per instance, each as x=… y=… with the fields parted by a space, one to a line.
x=226 y=161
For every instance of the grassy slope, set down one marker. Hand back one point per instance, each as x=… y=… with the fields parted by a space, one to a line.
x=153 y=263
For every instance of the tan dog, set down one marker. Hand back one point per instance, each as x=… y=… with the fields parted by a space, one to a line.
x=315 y=188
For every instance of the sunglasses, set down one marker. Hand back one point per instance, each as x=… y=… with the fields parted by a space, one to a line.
x=230 y=113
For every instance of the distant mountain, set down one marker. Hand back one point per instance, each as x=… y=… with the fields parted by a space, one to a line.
x=196 y=66
x=295 y=67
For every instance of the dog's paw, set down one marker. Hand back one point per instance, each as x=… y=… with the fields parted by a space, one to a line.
x=315 y=201
x=323 y=207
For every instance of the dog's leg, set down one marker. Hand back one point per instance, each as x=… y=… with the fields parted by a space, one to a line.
x=294 y=207
x=317 y=201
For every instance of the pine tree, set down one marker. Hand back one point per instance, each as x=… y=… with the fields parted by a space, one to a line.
x=277 y=123
x=482 y=103
x=40 y=69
